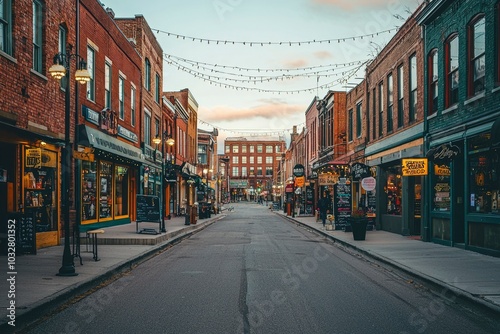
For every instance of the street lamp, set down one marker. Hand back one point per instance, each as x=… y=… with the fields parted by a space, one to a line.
x=165 y=137
x=61 y=68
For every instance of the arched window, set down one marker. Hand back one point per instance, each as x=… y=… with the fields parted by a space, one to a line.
x=452 y=70
x=476 y=58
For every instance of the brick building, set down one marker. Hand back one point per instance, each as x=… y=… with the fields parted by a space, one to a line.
x=462 y=88
x=253 y=164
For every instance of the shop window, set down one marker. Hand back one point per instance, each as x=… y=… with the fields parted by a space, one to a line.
x=484 y=178
x=89 y=190
x=441 y=188
x=40 y=188
x=121 y=190
x=105 y=189
x=393 y=190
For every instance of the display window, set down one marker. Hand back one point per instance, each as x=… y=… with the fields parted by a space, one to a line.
x=484 y=181
x=441 y=188
x=105 y=191
x=40 y=187
x=393 y=189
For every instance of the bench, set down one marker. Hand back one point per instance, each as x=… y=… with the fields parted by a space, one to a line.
x=92 y=235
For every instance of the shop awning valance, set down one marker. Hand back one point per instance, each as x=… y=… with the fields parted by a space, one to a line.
x=495 y=134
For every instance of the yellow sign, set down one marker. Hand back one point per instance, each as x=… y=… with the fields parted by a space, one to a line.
x=326 y=179
x=300 y=181
x=33 y=158
x=415 y=167
x=442 y=170
x=83 y=156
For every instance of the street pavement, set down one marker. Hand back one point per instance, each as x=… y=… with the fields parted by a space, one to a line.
x=38 y=290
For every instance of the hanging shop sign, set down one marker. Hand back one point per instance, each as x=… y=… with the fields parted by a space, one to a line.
x=443 y=153
x=298 y=170
x=414 y=167
x=368 y=183
x=327 y=179
x=85 y=155
x=359 y=171
x=300 y=181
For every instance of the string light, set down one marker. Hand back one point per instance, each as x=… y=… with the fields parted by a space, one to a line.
x=262 y=43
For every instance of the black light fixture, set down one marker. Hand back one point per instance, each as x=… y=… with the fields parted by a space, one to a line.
x=60 y=69
x=161 y=139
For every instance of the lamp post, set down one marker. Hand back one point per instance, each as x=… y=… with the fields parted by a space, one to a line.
x=62 y=68
x=165 y=137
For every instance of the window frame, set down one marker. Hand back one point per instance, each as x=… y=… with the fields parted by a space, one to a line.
x=108 y=73
x=412 y=87
x=472 y=58
x=381 y=109
x=157 y=88
x=37 y=36
x=400 y=84
x=147 y=75
x=390 y=103
x=6 y=28
x=63 y=40
x=121 y=97
x=132 y=105
x=91 y=69
x=451 y=96
x=359 y=112
x=350 y=125
x=147 y=127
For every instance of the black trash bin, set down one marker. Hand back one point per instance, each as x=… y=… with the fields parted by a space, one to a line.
x=187 y=218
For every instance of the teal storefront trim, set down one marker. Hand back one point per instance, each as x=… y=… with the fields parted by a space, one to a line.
x=88 y=227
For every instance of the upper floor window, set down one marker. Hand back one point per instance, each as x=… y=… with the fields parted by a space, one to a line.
x=259 y=160
x=147 y=73
x=477 y=49
x=278 y=149
x=62 y=50
x=147 y=127
x=107 y=85
x=413 y=89
x=269 y=149
x=132 y=106
x=452 y=71
x=269 y=160
x=374 y=114
x=235 y=160
x=121 y=98
x=252 y=149
x=390 y=102
x=235 y=171
x=6 y=26
x=157 y=88
x=381 y=109
x=358 y=120
x=432 y=77
x=497 y=38
x=259 y=148
x=91 y=69
x=243 y=149
x=400 y=96
x=227 y=149
x=37 y=36
x=235 y=148
x=350 y=125
x=243 y=159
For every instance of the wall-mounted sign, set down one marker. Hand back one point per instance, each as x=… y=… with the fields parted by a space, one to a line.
x=359 y=171
x=300 y=181
x=327 y=179
x=414 y=167
x=83 y=155
x=443 y=153
x=442 y=170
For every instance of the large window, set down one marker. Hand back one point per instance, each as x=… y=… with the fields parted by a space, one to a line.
x=157 y=88
x=433 y=78
x=62 y=50
x=37 y=35
x=121 y=190
x=359 y=124
x=259 y=148
x=477 y=48
x=413 y=89
x=91 y=69
x=269 y=171
x=441 y=188
x=6 y=26
x=121 y=97
x=350 y=125
x=381 y=109
x=452 y=70
x=269 y=160
x=107 y=85
x=400 y=96
x=269 y=149
x=147 y=127
x=147 y=75
x=374 y=114
x=394 y=190
x=390 y=103
x=132 y=106
x=235 y=160
x=244 y=172
x=236 y=148
x=235 y=172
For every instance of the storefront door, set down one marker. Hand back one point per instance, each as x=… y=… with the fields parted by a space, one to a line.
x=457 y=200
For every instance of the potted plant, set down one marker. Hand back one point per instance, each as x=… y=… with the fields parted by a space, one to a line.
x=358 y=222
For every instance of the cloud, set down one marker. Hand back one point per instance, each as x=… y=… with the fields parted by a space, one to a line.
x=323 y=55
x=268 y=110
x=295 y=63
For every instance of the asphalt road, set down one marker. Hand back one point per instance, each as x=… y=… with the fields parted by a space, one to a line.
x=253 y=272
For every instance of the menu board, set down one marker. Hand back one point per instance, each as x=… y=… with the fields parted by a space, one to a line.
x=309 y=200
x=148 y=208
x=25 y=232
x=342 y=205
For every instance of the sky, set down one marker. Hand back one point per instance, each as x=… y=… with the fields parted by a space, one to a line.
x=285 y=52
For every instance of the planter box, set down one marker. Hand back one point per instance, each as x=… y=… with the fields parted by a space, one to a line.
x=358 y=226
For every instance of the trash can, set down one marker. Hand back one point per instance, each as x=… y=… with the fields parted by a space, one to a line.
x=193 y=214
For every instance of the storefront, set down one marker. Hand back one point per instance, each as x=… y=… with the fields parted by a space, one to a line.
x=465 y=190
x=107 y=179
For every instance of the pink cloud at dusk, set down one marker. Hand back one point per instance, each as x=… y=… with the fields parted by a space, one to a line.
x=267 y=111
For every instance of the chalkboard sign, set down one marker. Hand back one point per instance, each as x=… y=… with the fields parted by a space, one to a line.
x=25 y=232
x=148 y=208
x=342 y=205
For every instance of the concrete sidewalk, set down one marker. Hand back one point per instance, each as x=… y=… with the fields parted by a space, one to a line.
x=459 y=272
x=38 y=290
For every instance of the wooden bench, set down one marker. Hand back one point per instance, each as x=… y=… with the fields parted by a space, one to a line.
x=92 y=235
